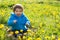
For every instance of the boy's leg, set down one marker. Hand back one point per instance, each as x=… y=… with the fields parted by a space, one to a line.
x=14 y=36
x=21 y=37
x=8 y=33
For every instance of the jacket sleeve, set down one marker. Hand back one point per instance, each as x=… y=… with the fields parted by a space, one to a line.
x=27 y=20
x=10 y=21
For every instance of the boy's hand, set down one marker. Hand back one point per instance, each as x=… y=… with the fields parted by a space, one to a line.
x=9 y=30
x=15 y=21
x=27 y=25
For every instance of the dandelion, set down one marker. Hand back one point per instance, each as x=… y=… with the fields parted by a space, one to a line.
x=21 y=30
x=16 y=32
x=40 y=24
x=28 y=30
x=24 y=37
x=54 y=13
x=43 y=31
x=32 y=26
x=29 y=38
x=1 y=25
x=38 y=39
x=19 y=37
x=47 y=37
x=58 y=38
x=53 y=36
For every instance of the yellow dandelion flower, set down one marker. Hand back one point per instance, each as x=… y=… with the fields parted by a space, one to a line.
x=2 y=14
x=38 y=39
x=24 y=37
x=29 y=38
x=31 y=20
x=32 y=26
x=58 y=38
x=54 y=13
x=19 y=37
x=40 y=24
x=21 y=30
x=28 y=30
x=47 y=37
x=53 y=36
x=1 y=25
x=16 y=32
x=43 y=31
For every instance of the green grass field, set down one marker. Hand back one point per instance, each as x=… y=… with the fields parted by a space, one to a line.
x=43 y=16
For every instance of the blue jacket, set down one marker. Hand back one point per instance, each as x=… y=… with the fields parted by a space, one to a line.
x=21 y=22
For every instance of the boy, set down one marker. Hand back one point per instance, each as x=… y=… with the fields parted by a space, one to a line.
x=18 y=21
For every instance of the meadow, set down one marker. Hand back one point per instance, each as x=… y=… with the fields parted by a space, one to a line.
x=44 y=18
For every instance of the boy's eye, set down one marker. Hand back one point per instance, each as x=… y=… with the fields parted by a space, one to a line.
x=18 y=10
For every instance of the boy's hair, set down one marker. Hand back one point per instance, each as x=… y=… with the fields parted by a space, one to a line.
x=17 y=6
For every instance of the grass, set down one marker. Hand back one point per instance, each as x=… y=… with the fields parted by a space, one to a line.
x=44 y=17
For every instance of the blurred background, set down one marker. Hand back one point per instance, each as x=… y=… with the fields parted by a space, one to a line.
x=43 y=14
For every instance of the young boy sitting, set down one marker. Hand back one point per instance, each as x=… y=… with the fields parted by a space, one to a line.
x=18 y=21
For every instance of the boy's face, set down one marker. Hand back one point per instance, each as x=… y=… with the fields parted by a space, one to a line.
x=18 y=11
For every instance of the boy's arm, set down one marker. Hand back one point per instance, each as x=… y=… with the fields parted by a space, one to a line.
x=11 y=21
x=27 y=22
